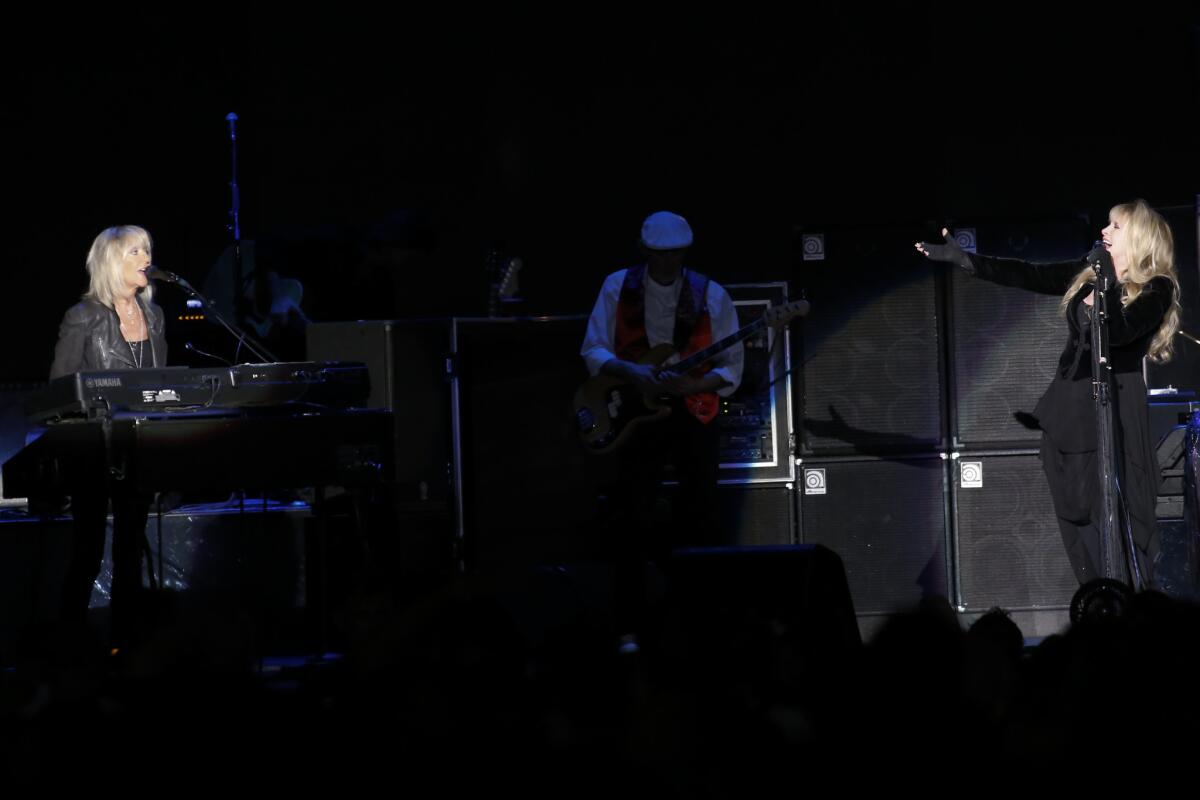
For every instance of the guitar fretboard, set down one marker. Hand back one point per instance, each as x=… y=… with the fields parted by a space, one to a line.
x=700 y=356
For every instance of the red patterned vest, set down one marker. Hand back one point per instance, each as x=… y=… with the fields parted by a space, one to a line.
x=693 y=329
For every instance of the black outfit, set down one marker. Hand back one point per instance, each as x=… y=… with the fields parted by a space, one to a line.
x=1066 y=412
x=691 y=447
x=640 y=529
x=90 y=339
x=629 y=304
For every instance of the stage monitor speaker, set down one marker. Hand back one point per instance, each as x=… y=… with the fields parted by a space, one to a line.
x=1005 y=342
x=887 y=521
x=870 y=350
x=1010 y=552
x=799 y=588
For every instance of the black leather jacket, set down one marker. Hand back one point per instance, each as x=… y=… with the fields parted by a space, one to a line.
x=90 y=339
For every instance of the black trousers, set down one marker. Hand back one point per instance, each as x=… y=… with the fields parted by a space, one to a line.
x=1075 y=488
x=89 y=512
x=643 y=526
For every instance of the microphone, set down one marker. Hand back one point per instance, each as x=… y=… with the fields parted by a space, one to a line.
x=158 y=274
x=197 y=350
x=1100 y=260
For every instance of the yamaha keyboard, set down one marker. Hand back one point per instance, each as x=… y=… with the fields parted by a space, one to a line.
x=320 y=384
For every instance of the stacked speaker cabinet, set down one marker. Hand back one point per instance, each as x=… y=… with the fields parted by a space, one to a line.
x=917 y=457
x=1005 y=342
x=886 y=518
x=872 y=424
x=870 y=349
x=1009 y=552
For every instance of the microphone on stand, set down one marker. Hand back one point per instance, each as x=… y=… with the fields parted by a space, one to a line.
x=1101 y=262
x=158 y=274
x=194 y=349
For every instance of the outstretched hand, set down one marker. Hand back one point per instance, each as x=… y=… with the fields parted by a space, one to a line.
x=949 y=251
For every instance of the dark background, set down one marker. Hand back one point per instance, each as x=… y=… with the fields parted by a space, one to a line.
x=385 y=150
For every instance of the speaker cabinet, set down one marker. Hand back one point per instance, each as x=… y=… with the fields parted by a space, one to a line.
x=525 y=486
x=870 y=353
x=757 y=514
x=753 y=514
x=1009 y=550
x=887 y=521
x=1005 y=342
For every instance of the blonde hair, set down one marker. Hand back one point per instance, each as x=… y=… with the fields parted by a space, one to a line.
x=104 y=262
x=1151 y=254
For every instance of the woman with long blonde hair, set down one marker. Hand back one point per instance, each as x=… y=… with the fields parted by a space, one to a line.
x=115 y=326
x=1137 y=253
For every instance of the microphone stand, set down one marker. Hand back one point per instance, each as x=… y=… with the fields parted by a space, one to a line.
x=235 y=224
x=1118 y=556
x=1188 y=336
x=243 y=338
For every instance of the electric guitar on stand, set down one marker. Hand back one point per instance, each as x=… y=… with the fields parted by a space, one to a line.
x=503 y=272
x=608 y=410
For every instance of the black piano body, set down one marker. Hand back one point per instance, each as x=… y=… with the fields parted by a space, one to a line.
x=269 y=426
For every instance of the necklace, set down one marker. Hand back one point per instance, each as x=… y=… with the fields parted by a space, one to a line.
x=129 y=316
x=131 y=321
x=137 y=354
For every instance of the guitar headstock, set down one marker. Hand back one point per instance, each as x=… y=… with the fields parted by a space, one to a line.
x=502 y=281
x=781 y=315
x=508 y=282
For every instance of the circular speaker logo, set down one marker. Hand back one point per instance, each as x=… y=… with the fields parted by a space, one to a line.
x=814 y=481
x=813 y=246
x=965 y=238
x=970 y=474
